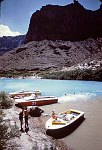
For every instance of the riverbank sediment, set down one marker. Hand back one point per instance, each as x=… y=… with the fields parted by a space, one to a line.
x=88 y=135
x=36 y=137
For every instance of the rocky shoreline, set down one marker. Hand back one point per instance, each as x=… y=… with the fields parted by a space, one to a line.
x=36 y=138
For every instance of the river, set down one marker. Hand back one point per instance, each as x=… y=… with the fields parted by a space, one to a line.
x=81 y=95
x=72 y=88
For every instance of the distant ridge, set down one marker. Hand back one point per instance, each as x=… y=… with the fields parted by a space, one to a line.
x=8 y=43
x=71 y=22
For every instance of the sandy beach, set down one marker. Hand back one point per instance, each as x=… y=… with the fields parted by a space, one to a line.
x=88 y=135
x=35 y=138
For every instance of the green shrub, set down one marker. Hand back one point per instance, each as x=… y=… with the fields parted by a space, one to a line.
x=7 y=132
x=5 y=101
x=87 y=74
x=3 y=130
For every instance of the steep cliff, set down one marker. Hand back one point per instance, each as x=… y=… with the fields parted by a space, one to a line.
x=71 y=22
x=57 y=40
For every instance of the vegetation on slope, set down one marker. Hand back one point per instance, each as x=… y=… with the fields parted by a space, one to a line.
x=7 y=131
x=15 y=74
x=87 y=74
x=5 y=101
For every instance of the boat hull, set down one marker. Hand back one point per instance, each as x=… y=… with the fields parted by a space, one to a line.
x=24 y=94
x=37 y=102
x=65 y=130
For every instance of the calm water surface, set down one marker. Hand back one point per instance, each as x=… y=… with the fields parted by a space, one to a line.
x=53 y=87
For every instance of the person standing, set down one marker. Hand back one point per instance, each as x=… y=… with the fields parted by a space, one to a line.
x=21 y=119
x=26 y=114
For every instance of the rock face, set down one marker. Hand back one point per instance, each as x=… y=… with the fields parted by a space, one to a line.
x=52 y=55
x=56 y=39
x=8 y=43
x=71 y=22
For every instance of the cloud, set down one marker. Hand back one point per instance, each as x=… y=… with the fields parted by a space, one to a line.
x=5 y=31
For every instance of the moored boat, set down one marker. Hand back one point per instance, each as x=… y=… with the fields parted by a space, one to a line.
x=24 y=93
x=64 y=123
x=36 y=101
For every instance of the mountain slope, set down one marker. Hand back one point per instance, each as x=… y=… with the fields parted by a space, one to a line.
x=57 y=39
x=51 y=55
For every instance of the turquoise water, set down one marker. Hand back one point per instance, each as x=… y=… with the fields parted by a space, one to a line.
x=53 y=87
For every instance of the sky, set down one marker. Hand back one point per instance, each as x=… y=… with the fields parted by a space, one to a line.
x=16 y=14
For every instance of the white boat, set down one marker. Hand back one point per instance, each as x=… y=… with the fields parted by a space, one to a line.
x=64 y=123
x=24 y=93
x=36 y=101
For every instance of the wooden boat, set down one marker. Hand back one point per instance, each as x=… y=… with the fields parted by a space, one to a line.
x=64 y=123
x=36 y=101
x=24 y=93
